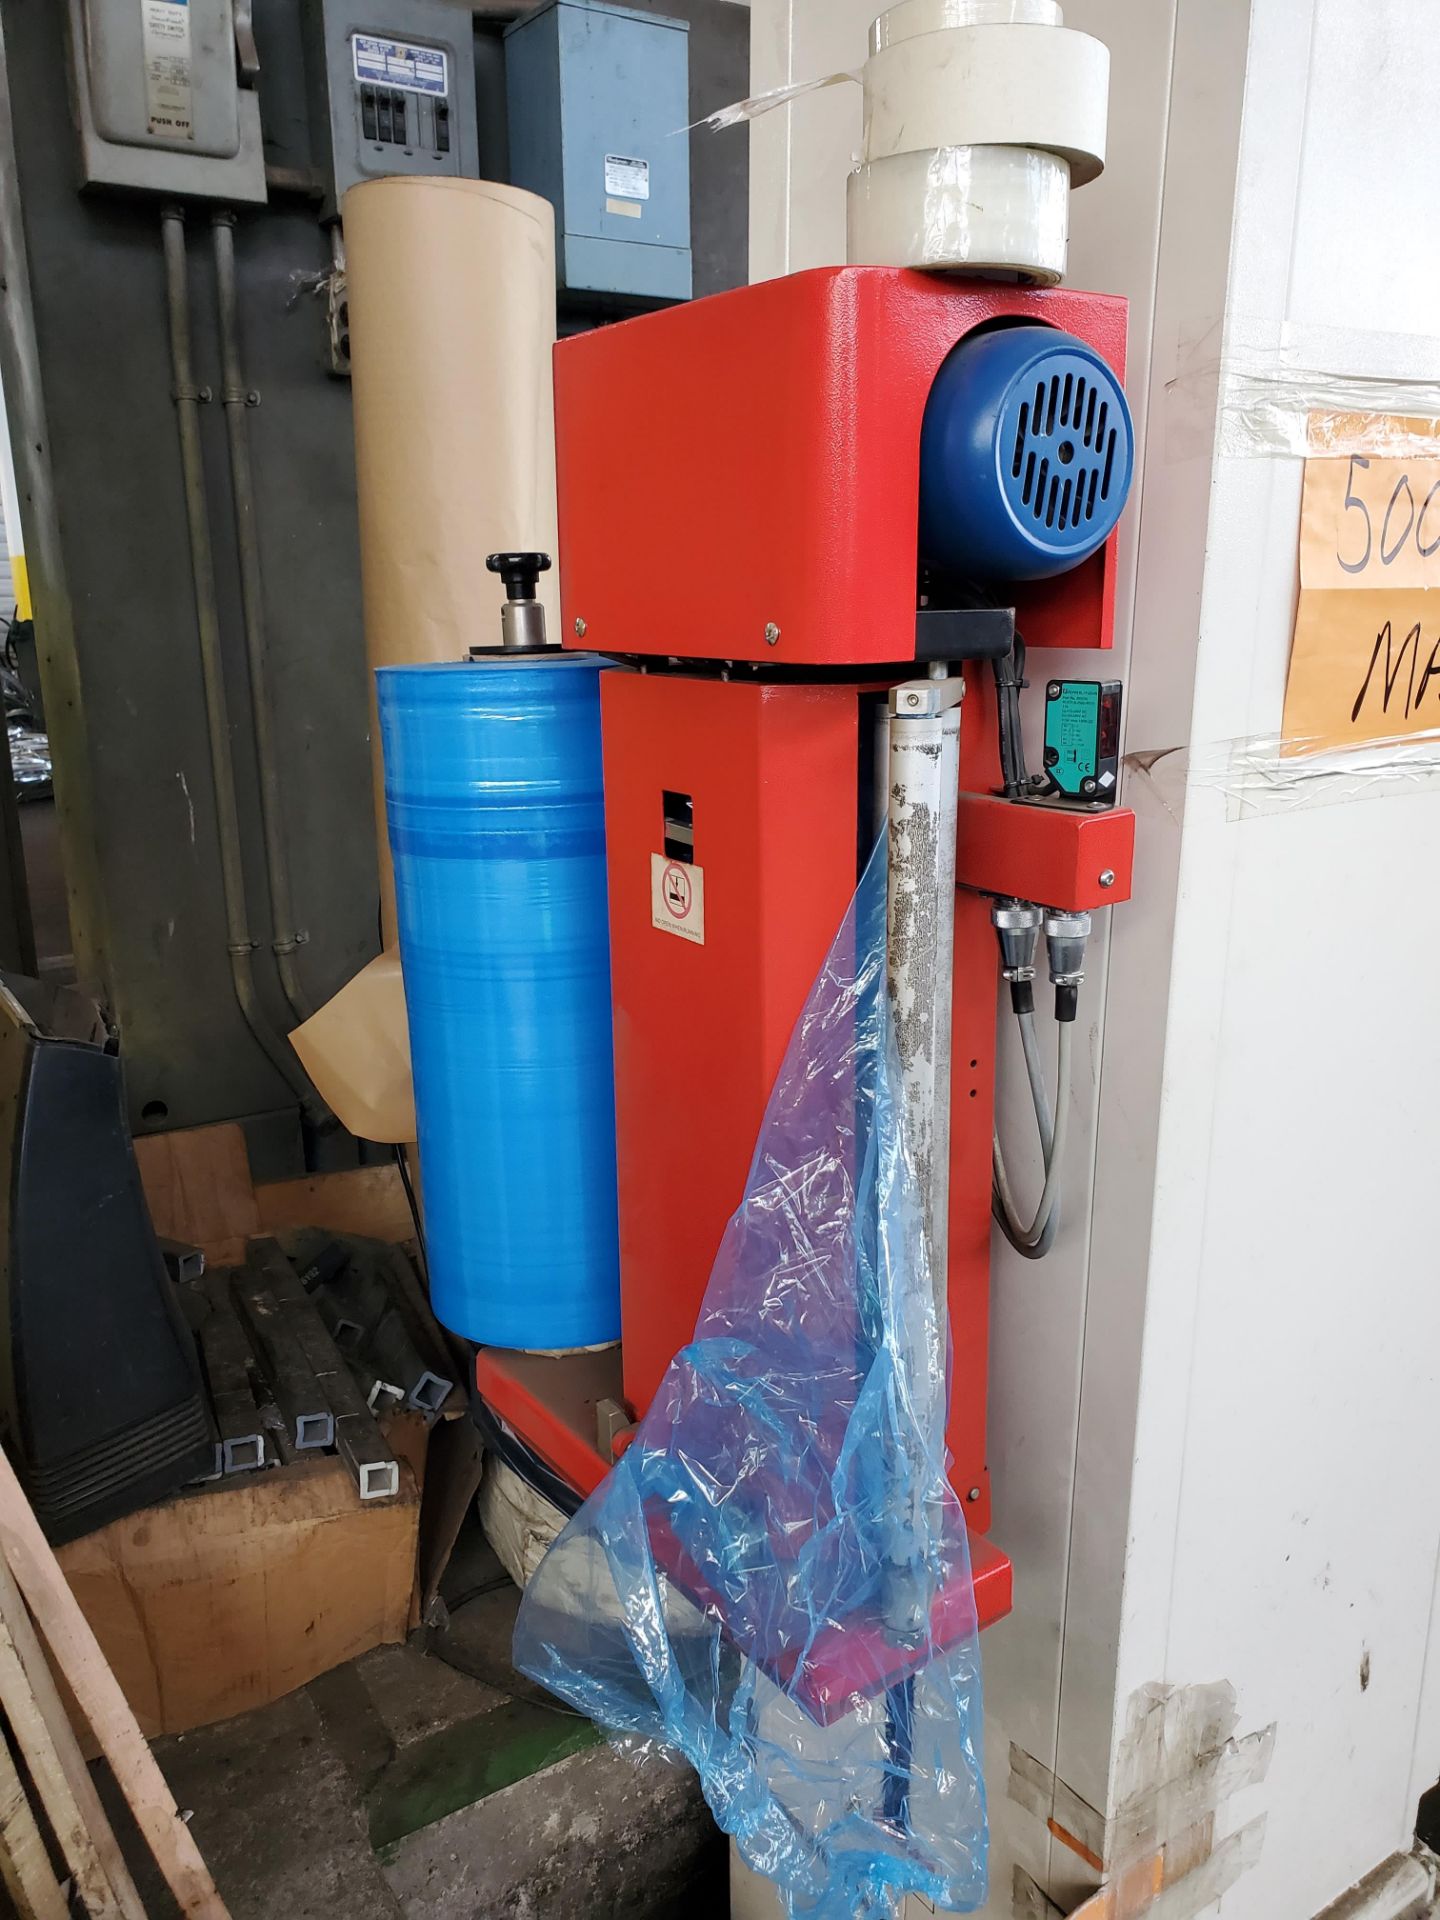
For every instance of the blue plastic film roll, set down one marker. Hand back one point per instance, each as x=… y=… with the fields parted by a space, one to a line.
x=494 y=793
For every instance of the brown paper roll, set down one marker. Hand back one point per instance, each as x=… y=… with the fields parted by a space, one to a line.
x=451 y=286
x=357 y=1051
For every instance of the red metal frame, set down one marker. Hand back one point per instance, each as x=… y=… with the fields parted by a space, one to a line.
x=552 y=1405
x=752 y=462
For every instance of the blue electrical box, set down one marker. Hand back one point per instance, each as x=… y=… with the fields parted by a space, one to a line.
x=599 y=101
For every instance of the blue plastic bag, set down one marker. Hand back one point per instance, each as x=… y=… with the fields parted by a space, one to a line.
x=774 y=1581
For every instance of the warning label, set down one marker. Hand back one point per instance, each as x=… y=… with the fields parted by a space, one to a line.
x=677 y=898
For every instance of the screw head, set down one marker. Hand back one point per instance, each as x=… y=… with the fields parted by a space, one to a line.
x=772 y=634
x=1088 y=786
x=973 y=1495
x=580 y=628
x=1054 y=690
x=1107 y=878
x=912 y=699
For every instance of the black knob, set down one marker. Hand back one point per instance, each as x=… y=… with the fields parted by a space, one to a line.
x=521 y=572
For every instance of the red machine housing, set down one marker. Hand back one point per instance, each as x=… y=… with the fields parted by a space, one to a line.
x=739 y=482
x=752 y=463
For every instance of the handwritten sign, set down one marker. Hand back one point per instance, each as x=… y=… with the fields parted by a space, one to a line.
x=1366 y=659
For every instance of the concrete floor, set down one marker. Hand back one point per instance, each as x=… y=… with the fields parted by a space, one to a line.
x=432 y=1781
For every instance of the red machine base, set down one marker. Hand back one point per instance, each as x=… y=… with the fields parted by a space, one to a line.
x=553 y=1405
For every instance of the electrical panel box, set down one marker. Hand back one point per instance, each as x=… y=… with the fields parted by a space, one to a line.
x=164 y=97
x=393 y=89
x=599 y=101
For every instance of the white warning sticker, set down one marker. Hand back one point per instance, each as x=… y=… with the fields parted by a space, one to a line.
x=677 y=898
x=165 y=25
x=627 y=179
x=398 y=63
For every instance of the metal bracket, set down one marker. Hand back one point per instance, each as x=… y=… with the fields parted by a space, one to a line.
x=611 y=1421
x=926 y=699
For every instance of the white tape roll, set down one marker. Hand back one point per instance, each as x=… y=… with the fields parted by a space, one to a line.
x=996 y=210
x=931 y=16
x=991 y=86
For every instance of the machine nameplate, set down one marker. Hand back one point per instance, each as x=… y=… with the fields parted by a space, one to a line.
x=625 y=178
x=399 y=63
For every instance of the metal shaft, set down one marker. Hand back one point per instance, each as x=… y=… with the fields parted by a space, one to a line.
x=920 y=761
x=923 y=800
x=284 y=937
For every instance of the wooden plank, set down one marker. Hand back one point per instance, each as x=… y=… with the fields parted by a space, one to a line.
x=25 y=1868
x=52 y=1787
x=199 y=1188
x=366 y=1200
x=46 y=1694
x=77 y=1653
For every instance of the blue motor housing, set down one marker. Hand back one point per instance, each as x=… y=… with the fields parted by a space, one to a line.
x=1026 y=456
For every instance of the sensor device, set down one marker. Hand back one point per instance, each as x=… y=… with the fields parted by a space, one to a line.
x=1082 y=739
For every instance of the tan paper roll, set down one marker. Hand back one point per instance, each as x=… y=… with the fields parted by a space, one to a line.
x=451 y=285
x=357 y=1051
x=451 y=288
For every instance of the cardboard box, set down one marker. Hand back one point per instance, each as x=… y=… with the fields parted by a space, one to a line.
x=225 y=1598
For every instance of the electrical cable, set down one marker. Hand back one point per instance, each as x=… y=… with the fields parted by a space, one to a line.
x=1035 y=1240
x=1035 y=1071
x=285 y=937
x=403 y=1164
x=1009 y=681
x=239 y=944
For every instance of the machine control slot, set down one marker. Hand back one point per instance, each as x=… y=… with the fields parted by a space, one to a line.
x=679 y=827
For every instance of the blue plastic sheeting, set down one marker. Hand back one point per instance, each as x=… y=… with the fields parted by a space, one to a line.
x=774 y=1581
x=494 y=793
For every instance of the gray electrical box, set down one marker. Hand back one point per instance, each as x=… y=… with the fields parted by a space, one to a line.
x=393 y=84
x=599 y=98
x=164 y=97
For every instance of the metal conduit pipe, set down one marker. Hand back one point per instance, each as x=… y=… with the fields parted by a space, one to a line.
x=207 y=620
x=235 y=397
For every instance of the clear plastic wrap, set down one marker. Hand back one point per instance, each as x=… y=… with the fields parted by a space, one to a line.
x=938 y=16
x=774 y=1581
x=980 y=209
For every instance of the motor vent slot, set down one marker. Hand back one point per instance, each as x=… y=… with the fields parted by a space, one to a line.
x=1063 y=449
